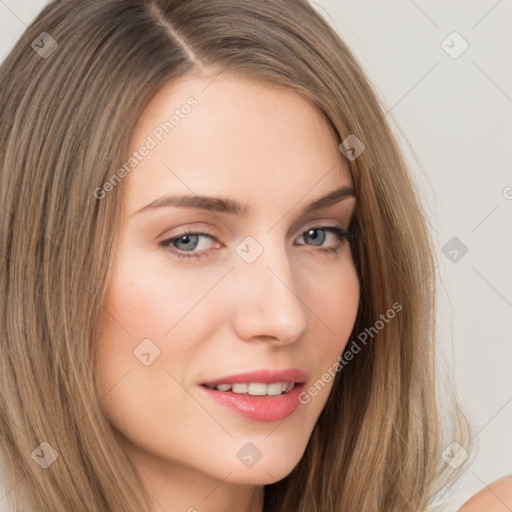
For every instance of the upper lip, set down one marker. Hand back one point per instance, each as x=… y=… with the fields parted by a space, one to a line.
x=265 y=376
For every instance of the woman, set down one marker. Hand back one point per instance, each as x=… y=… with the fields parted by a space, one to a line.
x=218 y=282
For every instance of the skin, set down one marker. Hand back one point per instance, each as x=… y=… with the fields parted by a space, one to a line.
x=496 y=497
x=294 y=306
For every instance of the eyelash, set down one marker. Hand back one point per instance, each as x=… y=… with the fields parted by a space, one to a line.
x=342 y=234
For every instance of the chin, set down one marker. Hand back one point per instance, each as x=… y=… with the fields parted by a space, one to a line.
x=263 y=475
x=276 y=463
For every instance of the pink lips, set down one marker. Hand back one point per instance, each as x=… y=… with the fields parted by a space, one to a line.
x=263 y=376
x=260 y=408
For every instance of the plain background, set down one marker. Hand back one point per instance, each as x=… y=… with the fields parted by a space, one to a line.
x=456 y=112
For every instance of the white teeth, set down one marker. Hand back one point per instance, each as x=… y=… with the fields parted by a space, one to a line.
x=274 y=389
x=240 y=388
x=257 y=388
x=224 y=387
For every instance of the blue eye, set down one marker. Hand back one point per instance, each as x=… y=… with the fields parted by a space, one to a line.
x=312 y=234
x=189 y=241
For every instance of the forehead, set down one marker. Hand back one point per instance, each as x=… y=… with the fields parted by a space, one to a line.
x=232 y=136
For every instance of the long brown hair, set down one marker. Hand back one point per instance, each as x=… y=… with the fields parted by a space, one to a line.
x=71 y=92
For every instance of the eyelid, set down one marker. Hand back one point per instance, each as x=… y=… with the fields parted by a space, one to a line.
x=322 y=224
x=319 y=223
x=182 y=231
x=343 y=234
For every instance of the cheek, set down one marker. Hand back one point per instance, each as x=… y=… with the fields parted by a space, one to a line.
x=149 y=297
x=140 y=337
x=339 y=303
x=150 y=317
x=333 y=300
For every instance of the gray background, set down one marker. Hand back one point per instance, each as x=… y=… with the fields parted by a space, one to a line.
x=457 y=115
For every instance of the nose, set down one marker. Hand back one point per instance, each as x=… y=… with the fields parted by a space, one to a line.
x=267 y=299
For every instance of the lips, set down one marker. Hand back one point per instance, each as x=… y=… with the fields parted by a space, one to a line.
x=265 y=408
x=265 y=376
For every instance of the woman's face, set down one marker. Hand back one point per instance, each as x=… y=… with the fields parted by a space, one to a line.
x=257 y=290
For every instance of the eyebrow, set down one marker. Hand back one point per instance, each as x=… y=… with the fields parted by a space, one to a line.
x=233 y=207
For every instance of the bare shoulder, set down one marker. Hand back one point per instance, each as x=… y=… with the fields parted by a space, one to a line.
x=496 y=497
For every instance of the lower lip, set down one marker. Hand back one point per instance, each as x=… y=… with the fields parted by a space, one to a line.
x=259 y=408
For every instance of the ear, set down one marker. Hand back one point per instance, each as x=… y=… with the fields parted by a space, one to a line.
x=495 y=497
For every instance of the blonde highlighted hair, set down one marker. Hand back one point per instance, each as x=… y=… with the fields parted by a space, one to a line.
x=66 y=120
